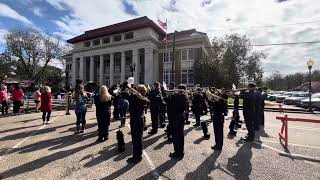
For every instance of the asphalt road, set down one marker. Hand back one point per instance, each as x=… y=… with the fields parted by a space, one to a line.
x=30 y=150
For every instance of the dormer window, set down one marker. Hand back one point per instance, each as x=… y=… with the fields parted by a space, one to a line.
x=86 y=44
x=117 y=38
x=129 y=35
x=96 y=42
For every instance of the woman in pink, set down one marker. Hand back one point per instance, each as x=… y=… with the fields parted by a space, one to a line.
x=3 y=100
x=37 y=98
x=46 y=104
x=17 y=98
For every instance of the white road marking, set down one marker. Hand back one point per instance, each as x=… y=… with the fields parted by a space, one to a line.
x=28 y=137
x=287 y=154
x=291 y=144
x=277 y=142
x=151 y=164
x=294 y=127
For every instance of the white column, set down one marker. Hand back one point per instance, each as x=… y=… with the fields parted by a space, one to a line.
x=81 y=70
x=92 y=69
x=156 y=67
x=111 y=68
x=74 y=66
x=135 y=61
x=123 y=67
x=148 y=66
x=101 y=70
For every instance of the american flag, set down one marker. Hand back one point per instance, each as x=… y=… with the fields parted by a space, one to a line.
x=162 y=24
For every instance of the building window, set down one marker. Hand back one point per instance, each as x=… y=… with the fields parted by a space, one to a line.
x=187 y=54
x=167 y=75
x=117 y=38
x=129 y=35
x=167 y=58
x=86 y=44
x=187 y=76
x=190 y=54
x=106 y=40
x=96 y=42
x=69 y=67
x=117 y=62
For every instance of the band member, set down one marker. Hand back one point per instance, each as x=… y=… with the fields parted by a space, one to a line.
x=197 y=103
x=181 y=102
x=115 y=95
x=220 y=109
x=137 y=101
x=249 y=110
x=156 y=101
x=235 y=116
x=163 y=107
x=103 y=102
x=170 y=111
x=187 y=111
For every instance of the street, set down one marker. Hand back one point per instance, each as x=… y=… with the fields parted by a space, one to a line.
x=30 y=150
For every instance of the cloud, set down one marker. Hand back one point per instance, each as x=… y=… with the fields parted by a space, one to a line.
x=246 y=18
x=8 y=12
x=37 y=11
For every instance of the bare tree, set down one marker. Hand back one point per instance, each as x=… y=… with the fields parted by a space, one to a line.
x=34 y=51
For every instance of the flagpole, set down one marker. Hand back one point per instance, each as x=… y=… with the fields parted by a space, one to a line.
x=166 y=50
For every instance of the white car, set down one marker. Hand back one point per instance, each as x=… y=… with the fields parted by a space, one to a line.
x=296 y=98
x=283 y=96
x=315 y=101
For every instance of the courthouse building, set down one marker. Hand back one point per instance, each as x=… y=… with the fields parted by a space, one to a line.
x=106 y=55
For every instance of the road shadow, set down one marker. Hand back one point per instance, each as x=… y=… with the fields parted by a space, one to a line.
x=205 y=168
x=198 y=141
x=159 y=171
x=53 y=144
x=21 y=135
x=19 y=128
x=240 y=164
x=39 y=163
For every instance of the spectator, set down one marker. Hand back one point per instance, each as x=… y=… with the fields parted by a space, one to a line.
x=46 y=104
x=37 y=98
x=81 y=107
x=17 y=98
x=4 y=99
x=103 y=102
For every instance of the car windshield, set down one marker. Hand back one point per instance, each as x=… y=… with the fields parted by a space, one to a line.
x=299 y=95
x=287 y=94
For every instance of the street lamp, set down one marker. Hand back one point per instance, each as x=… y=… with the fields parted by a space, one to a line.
x=310 y=64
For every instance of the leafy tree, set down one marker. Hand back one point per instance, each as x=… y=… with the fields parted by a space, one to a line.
x=33 y=51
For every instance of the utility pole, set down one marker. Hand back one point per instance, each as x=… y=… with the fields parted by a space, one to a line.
x=173 y=57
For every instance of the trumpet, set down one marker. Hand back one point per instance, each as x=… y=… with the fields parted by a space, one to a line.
x=214 y=97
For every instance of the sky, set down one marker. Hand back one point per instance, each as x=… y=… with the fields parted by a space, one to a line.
x=263 y=21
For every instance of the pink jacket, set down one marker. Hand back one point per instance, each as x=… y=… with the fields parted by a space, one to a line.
x=3 y=96
x=17 y=95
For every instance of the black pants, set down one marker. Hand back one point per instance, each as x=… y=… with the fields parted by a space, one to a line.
x=249 y=120
x=178 y=134
x=155 y=120
x=218 y=121
x=4 y=108
x=198 y=115
x=136 y=124
x=81 y=119
x=103 y=125
x=44 y=116
x=16 y=106
x=262 y=117
x=186 y=112
x=169 y=126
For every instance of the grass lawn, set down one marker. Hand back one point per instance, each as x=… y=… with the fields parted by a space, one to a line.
x=230 y=101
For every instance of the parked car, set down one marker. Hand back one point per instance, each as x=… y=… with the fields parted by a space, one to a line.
x=296 y=98
x=274 y=96
x=315 y=101
x=29 y=95
x=283 y=96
